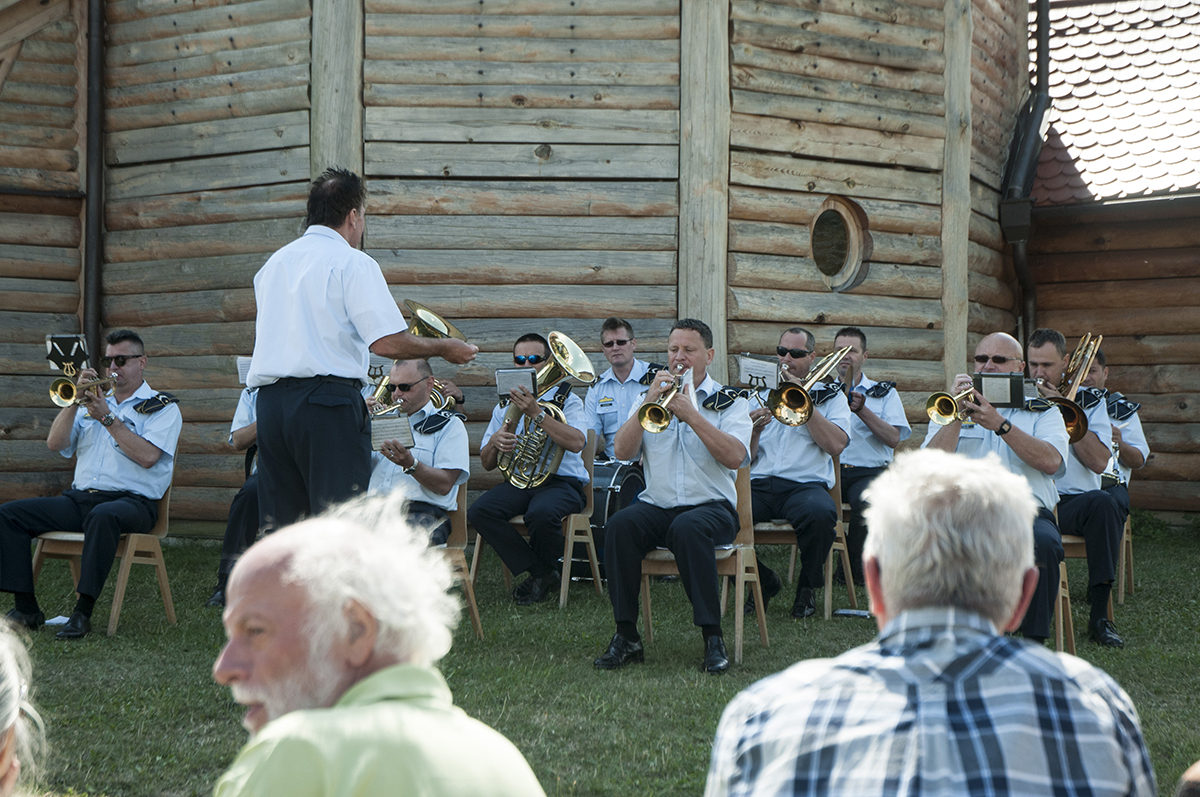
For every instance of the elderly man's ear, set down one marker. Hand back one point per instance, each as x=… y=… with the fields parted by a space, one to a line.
x=362 y=630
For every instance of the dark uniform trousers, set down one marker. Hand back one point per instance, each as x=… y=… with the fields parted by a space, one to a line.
x=810 y=509
x=1047 y=554
x=430 y=517
x=102 y=515
x=242 y=528
x=314 y=447
x=855 y=481
x=1095 y=516
x=690 y=532
x=1120 y=494
x=544 y=508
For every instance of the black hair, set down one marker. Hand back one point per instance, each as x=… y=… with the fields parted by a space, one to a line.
x=123 y=335
x=1041 y=337
x=696 y=326
x=333 y=195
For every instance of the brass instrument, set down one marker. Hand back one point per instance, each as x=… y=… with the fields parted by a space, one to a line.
x=428 y=324
x=64 y=392
x=942 y=408
x=655 y=416
x=383 y=398
x=536 y=457
x=791 y=403
x=442 y=401
x=1077 y=369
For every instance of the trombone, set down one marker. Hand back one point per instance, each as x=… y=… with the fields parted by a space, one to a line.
x=655 y=417
x=1077 y=369
x=791 y=403
x=65 y=393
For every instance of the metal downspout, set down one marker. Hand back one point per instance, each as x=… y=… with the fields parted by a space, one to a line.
x=94 y=192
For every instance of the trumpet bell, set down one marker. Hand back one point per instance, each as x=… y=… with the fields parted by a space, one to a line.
x=942 y=408
x=63 y=392
x=428 y=324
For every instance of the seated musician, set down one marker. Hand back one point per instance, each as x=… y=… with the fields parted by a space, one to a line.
x=620 y=388
x=545 y=505
x=689 y=504
x=792 y=472
x=125 y=444
x=1032 y=442
x=439 y=462
x=1083 y=507
x=878 y=425
x=1130 y=449
x=242 y=527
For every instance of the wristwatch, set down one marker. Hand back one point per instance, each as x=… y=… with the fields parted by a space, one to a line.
x=1004 y=429
x=108 y=420
x=541 y=416
x=411 y=467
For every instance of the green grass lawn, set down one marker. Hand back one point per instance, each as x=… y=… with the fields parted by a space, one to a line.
x=138 y=713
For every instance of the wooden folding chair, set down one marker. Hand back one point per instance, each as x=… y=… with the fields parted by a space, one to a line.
x=1075 y=547
x=1064 y=626
x=144 y=549
x=455 y=549
x=1125 y=563
x=577 y=527
x=735 y=561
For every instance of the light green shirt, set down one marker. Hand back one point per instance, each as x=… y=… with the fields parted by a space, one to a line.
x=396 y=732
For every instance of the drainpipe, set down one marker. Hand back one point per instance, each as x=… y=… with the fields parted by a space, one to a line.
x=94 y=192
x=1016 y=206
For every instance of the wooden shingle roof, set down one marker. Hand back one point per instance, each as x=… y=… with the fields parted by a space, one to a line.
x=1125 y=102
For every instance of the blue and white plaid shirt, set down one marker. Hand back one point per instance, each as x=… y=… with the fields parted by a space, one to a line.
x=938 y=704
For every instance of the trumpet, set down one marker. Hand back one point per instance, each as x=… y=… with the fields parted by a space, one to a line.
x=65 y=393
x=655 y=417
x=791 y=403
x=942 y=408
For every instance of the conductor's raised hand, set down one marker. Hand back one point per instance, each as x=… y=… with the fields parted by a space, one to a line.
x=458 y=351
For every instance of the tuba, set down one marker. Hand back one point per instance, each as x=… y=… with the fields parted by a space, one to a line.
x=536 y=457
x=1077 y=370
x=790 y=403
x=428 y=324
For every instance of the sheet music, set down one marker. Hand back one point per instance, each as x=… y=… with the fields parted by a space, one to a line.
x=390 y=427
x=62 y=349
x=243 y=365
x=757 y=373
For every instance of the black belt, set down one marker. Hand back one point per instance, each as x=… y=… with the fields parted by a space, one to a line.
x=340 y=380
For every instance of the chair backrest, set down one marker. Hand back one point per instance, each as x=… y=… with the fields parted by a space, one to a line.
x=745 y=509
x=835 y=492
x=589 y=462
x=164 y=515
x=458 y=521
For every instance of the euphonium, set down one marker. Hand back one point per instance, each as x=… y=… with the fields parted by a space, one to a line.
x=791 y=403
x=536 y=457
x=64 y=392
x=942 y=408
x=428 y=324
x=656 y=416
x=1077 y=369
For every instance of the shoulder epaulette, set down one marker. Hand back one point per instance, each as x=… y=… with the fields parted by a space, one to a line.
x=822 y=393
x=1087 y=398
x=651 y=370
x=156 y=403
x=1120 y=408
x=722 y=398
x=433 y=423
x=880 y=389
x=1037 y=405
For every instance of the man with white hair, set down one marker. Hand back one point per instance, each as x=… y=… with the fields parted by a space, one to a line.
x=942 y=702
x=333 y=627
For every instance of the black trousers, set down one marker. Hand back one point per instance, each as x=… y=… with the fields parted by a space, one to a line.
x=314 y=447
x=102 y=516
x=810 y=510
x=690 y=532
x=1047 y=554
x=854 y=483
x=242 y=527
x=1095 y=516
x=430 y=517
x=544 y=508
x=1120 y=494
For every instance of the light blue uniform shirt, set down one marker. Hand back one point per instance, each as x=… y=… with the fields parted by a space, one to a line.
x=1079 y=478
x=679 y=469
x=789 y=452
x=865 y=450
x=976 y=442
x=446 y=448
x=102 y=465
x=609 y=401
x=572 y=464
x=245 y=414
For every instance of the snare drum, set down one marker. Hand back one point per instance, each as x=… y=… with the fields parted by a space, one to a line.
x=614 y=486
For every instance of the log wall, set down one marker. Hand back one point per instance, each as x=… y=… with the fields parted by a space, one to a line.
x=1135 y=282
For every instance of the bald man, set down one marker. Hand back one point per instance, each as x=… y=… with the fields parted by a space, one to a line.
x=1031 y=441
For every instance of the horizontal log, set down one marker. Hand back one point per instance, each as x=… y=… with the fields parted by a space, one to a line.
x=26 y=358
x=192 y=89
x=760 y=204
x=46 y=52
x=1121 y=350
x=801 y=274
x=32 y=455
x=516 y=161
x=227 y=238
x=152 y=309
x=201 y=503
x=835 y=142
x=814 y=65
x=522 y=232
x=282 y=201
x=254 y=103
x=788 y=239
x=16 y=113
x=801 y=307
x=751 y=78
x=521 y=96
x=467 y=125
x=38 y=296
x=19 y=327
x=519 y=267
x=992 y=292
x=1117 y=265
x=1161 y=466
x=202 y=371
x=1168 y=407
x=837 y=113
x=202 y=438
x=1130 y=321
x=213 y=404
x=27 y=391
x=27 y=423
x=44 y=262
x=191 y=339
x=451 y=73
x=230 y=62
x=986 y=262
x=183 y=274
x=886 y=342
x=985 y=320
x=28 y=229
x=220 y=137
x=800 y=174
x=22 y=19
x=37 y=179
x=37 y=136
x=39 y=94
x=208 y=42
x=796 y=40
x=523 y=197
x=1137 y=379
x=41 y=205
x=232 y=16
x=1065 y=238
x=15 y=486
x=985 y=200
x=1151 y=293
x=54 y=160
x=520 y=49
x=600 y=8
x=487 y=26
x=498 y=335
x=600 y=301
x=827 y=22
x=208 y=470
x=1173 y=496
x=921 y=15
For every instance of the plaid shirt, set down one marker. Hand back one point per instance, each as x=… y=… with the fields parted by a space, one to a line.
x=938 y=704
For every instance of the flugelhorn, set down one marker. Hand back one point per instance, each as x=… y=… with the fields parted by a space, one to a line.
x=942 y=408
x=64 y=392
x=791 y=403
x=655 y=417
x=1078 y=366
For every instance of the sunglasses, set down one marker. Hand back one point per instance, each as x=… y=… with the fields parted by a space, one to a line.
x=403 y=387
x=797 y=354
x=532 y=359
x=118 y=361
x=608 y=344
x=998 y=360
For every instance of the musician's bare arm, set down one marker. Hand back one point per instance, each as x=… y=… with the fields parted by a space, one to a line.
x=884 y=432
x=827 y=434
x=1092 y=452
x=60 y=430
x=245 y=437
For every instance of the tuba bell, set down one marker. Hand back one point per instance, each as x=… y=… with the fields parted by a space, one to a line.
x=536 y=457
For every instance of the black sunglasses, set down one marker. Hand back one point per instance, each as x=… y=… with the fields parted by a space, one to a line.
x=998 y=360
x=118 y=361
x=403 y=387
x=797 y=354
x=532 y=359
x=608 y=344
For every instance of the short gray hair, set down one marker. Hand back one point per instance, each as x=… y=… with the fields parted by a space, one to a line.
x=950 y=531
x=15 y=708
x=366 y=551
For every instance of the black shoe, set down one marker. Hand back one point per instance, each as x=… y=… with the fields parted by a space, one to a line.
x=1104 y=633
x=803 y=607
x=22 y=620
x=217 y=601
x=770 y=588
x=716 y=660
x=536 y=589
x=79 y=626
x=620 y=652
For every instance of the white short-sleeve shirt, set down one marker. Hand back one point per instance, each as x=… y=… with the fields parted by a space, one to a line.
x=447 y=448
x=789 y=452
x=572 y=464
x=865 y=449
x=1079 y=478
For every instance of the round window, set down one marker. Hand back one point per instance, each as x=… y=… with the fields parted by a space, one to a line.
x=830 y=242
x=840 y=243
